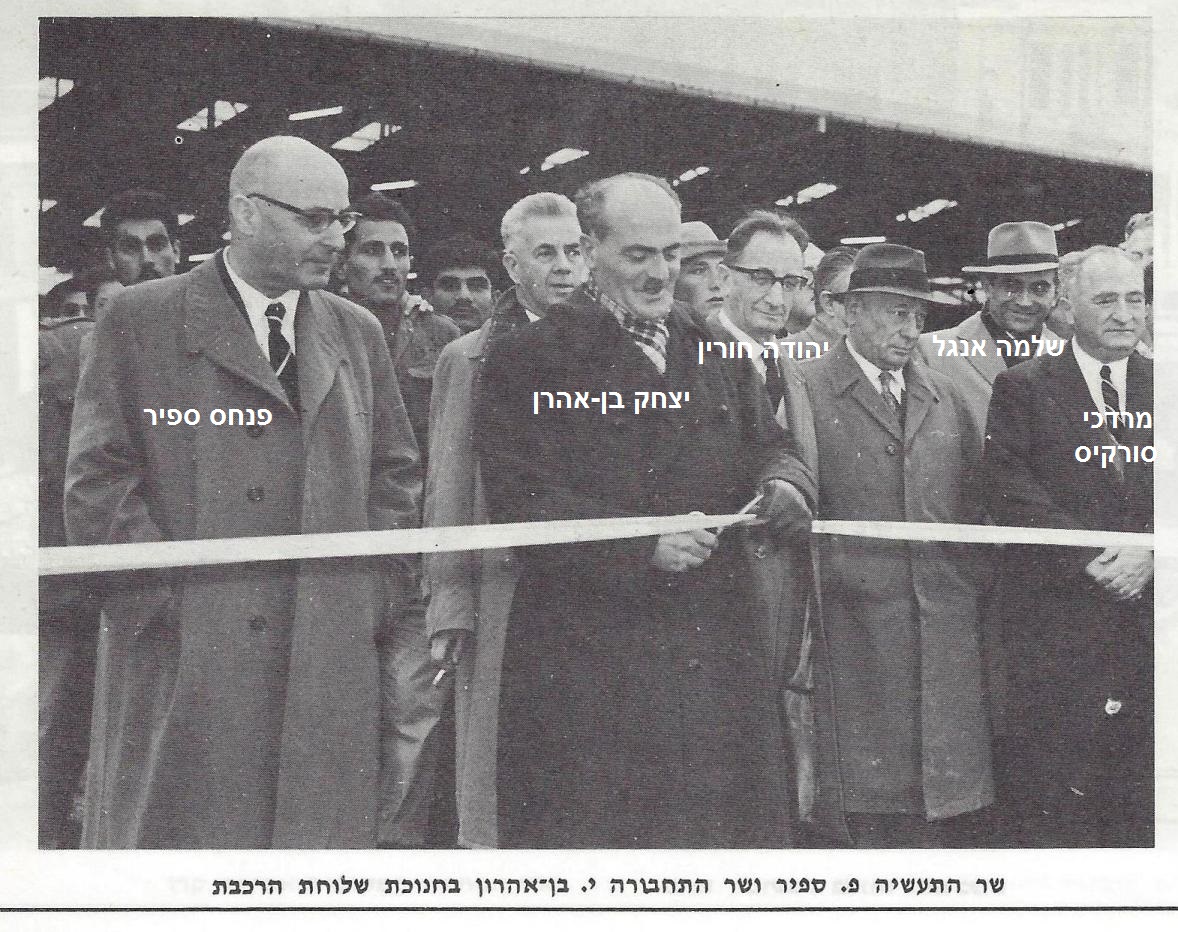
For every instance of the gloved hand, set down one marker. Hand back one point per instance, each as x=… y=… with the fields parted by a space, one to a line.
x=784 y=508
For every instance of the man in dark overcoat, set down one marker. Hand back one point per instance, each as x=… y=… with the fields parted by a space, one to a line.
x=1076 y=764
x=908 y=746
x=636 y=708
x=237 y=706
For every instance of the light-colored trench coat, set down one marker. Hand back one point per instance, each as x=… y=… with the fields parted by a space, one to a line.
x=874 y=591
x=468 y=590
x=237 y=706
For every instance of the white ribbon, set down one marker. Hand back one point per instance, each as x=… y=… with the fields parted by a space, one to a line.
x=205 y=552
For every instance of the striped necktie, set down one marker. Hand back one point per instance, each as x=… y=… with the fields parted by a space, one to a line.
x=1112 y=401
x=885 y=380
x=282 y=357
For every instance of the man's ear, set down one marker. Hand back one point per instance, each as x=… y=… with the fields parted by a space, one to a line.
x=176 y=247
x=243 y=213
x=589 y=249
x=511 y=264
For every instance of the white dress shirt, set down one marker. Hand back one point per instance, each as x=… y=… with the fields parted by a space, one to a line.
x=1090 y=369
x=255 y=308
x=754 y=349
x=872 y=371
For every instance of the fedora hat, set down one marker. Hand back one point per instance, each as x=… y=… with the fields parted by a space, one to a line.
x=697 y=239
x=1021 y=246
x=890 y=268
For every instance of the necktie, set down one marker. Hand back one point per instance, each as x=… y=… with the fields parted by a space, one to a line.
x=886 y=378
x=282 y=357
x=774 y=384
x=1112 y=400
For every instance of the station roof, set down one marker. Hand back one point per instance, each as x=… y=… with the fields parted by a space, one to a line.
x=476 y=112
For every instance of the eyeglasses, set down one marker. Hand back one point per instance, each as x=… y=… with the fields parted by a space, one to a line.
x=317 y=219
x=765 y=279
x=1016 y=289
x=902 y=316
x=454 y=283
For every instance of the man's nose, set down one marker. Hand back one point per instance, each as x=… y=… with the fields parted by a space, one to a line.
x=1024 y=298
x=562 y=263
x=776 y=295
x=334 y=235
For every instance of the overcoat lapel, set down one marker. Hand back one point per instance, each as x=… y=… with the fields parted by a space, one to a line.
x=849 y=377
x=319 y=352
x=989 y=365
x=215 y=328
x=919 y=397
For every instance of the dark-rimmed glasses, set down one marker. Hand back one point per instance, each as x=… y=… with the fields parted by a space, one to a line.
x=315 y=219
x=765 y=279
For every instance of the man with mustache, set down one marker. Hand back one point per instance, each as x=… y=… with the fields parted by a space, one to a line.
x=907 y=747
x=238 y=706
x=636 y=705
x=375 y=269
x=460 y=284
x=141 y=232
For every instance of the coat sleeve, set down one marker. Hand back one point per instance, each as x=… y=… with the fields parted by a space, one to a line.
x=1011 y=490
x=451 y=579
x=394 y=492
x=106 y=489
x=522 y=460
x=777 y=449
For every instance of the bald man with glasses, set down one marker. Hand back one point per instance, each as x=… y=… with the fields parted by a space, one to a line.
x=238 y=706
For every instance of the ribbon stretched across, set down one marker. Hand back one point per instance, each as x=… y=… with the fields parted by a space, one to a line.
x=110 y=557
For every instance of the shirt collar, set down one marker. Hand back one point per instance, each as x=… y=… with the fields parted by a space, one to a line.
x=1090 y=368
x=756 y=350
x=254 y=300
x=872 y=371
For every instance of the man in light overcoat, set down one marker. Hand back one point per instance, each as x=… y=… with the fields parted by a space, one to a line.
x=237 y=706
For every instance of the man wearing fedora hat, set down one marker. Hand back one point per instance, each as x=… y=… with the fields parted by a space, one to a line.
x=702 y=284
x=1021 y=283
x=896 y=655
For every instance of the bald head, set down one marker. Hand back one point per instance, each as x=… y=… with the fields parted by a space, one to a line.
x=275 y=246
x=284 y=166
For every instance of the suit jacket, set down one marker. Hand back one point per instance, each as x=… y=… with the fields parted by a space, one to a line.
x=619 y=722
x=900 y=640
x=229 y=698
x=972 y=374
x=1070 y=647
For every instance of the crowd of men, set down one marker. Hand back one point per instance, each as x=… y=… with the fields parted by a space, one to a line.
x=746 y=686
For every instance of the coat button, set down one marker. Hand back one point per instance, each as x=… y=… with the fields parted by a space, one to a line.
x=258 y=623
x=255 y=493
x=694 y=664
x=891 y=449
x=761 y=551
x=254 y=430
x=1112 y=707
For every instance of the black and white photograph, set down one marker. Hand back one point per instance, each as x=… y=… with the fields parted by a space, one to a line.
x=590 y=462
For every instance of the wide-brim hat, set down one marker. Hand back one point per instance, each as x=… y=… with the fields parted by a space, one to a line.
x=696 y=238
x=1020 y=246
x=890 y=268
